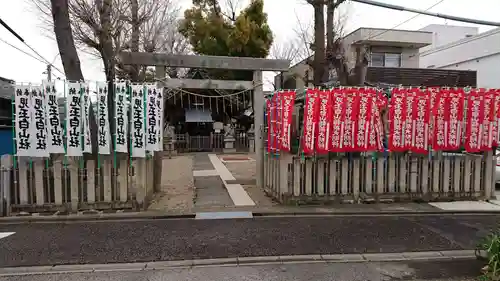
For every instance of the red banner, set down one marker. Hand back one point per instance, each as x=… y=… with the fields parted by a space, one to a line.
x=324 y=121
x=338 y=108
x=420 y=122
x=489 y=118
x=310 y=121
x=287 y=103
x=397 y=115
x=475 y=117
x=454 y=124
x=270 y=141
x=440 y=115
x=364 y=102
x=496 y=123
x=349 y=120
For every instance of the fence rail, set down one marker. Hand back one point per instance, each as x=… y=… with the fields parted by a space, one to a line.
x=74 y=184
x=395 y=177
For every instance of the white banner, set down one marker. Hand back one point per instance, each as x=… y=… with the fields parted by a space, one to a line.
x=87 y=147
x=22 y=104
x=121 y=117
x=103 y=137
x=159 y=108
x=137 y=134
x=74 y=141
x=152 y=124
x=54 y=128
x=39 y=117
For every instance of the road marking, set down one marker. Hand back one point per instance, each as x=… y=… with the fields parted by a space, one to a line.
x=223 y=215
x=239 y=196
x=5 y=234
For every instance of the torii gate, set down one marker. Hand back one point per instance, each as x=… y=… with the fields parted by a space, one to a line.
x=257 y=65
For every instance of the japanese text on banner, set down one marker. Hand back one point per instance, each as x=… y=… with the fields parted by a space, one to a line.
x=138 y=136
x=74 y=142
x=152 y=116
x=159 y=108
x=39 y=148
x=310 y=121
x=287 y=103
x=103 y=137
x=23 y=121
x=87 y=147
x=121 y=117
x=54 y=127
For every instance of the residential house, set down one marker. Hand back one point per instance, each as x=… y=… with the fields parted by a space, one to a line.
x=479 y=52
x=393 y=59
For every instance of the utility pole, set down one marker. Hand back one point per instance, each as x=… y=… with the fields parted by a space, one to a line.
x=49 y=72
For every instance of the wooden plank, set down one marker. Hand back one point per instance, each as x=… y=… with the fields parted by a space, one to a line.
x=207 y=62
x=122 y=180
x=107 y=178
x=436 y=175
x=38 y=166
x=446 y=175
x=488 y=175
x=6 y=162
x=467 y=174
x=380 y=175
x=414 y=173
x=368 y=176
x=425 y=176
x=58 y=186
x=403 y=173
x=321 y=177
x=332 y=177
x=477 y=176
x=345 y=175
x=392 y=173
x=91 y=198
x=457 y=175
x=74 y=182
x=23 y=181
x=296 y=177
x=355 y=178
x=207 y=84
x=309 y=177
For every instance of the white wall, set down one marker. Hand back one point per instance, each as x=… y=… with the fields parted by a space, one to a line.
x=480 y=53
x=445 y=34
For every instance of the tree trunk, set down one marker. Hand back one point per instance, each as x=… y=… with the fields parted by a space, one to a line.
x=319 y=43
x=108 y=55
x=65 y=42
x=134 y=74
x=69 y=55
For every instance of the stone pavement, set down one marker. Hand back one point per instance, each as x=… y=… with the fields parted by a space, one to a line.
x=455 y=270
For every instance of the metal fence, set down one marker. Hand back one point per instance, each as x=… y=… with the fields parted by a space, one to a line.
x=185 y=143
x=392 y=177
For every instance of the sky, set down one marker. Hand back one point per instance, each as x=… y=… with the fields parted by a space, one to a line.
x=24 y=18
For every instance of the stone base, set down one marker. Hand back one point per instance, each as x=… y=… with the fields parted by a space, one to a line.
x=229 y=150
x=229 y=143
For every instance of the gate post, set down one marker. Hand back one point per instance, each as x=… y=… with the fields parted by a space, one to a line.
x=6 y=184
x=258 y=108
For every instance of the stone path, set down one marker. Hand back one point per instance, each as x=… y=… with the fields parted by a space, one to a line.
x=210 y=191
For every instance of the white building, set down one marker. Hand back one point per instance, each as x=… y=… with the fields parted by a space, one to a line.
x=479 y=52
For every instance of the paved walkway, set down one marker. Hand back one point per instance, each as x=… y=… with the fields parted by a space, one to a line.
x=181 y=239
x=213 y=184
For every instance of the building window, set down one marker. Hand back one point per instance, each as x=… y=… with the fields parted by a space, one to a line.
x=386 y=59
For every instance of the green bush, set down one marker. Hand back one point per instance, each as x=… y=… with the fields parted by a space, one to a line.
x=489 y=249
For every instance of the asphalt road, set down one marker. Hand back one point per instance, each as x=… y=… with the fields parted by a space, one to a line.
x=442 y=271
x=179 y=239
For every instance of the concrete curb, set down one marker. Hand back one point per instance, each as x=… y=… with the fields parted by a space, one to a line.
x=242 y=261
x=163 y=216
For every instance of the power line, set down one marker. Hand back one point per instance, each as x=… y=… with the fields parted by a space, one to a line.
x=405 y=21
x=438 y=15
x=24 y=42
x=22 y=51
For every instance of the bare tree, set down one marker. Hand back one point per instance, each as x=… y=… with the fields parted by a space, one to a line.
x=65 y=41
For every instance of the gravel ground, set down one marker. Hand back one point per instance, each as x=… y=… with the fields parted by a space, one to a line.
x=177 y=188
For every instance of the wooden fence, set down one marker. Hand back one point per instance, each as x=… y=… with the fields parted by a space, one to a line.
x=393 y=177
x=73 y=184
